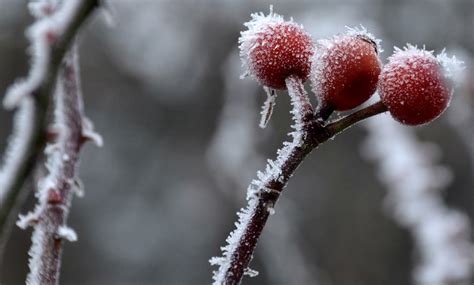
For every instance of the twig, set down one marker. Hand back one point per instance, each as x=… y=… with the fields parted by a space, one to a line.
x=265 y=191
x=50 y=38
x=232 y=156
x=56 y=190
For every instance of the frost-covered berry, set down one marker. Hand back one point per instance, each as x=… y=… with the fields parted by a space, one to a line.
x=273 y=49
x=413 y=87
x=345 y=69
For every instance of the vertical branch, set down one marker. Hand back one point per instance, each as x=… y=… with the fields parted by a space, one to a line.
x=264 y=192
x=57 y=188
x=50 y=37
x=414 y=182
x=232 y=156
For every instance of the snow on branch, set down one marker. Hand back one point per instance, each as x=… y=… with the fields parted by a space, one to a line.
x=414 y=181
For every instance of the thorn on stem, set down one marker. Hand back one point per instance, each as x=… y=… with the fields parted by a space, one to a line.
x=54 y=196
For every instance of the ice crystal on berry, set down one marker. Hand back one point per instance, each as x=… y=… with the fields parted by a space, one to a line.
x=345 y=69
x=273 y=49
x=413 y=86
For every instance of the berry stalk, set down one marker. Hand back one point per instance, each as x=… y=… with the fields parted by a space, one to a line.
x=264 y=192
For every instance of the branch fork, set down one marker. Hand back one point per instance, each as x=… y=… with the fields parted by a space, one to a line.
x=309 y=131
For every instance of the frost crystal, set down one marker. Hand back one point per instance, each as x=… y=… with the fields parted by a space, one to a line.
x=413 y=181
x=67 y=233
x=273 y=49
x=333 y=55
x=24 y=221
x=250 y=272
x=362 y=32
x=273 y=172
x=267 y=108
x=256 y=26
x=89 y=133
x=452 y=67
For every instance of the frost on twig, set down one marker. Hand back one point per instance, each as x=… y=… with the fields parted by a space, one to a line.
x=267 y=108
x=50 y=36
x=414 y=181
x=233 y=155
x=56 y=189
x=263 y=193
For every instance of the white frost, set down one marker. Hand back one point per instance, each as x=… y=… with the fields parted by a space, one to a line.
x=267 y=108
x=452 y=67
x=361 y=31
x=272 y=171
x=89 y=133
x=67 y=233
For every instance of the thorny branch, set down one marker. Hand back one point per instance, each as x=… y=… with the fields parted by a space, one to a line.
x=263 y=193
x=56 y=190
x=41 y=92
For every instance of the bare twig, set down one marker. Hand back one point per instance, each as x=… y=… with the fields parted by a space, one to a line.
x=50 y=38
x=265 y=191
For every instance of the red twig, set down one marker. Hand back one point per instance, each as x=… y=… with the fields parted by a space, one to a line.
x=57 y=188
x=264 y=192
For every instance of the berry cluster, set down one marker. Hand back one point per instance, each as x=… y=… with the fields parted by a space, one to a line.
x=345 y=70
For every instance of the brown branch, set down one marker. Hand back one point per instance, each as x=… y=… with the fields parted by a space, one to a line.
x=14 y=192
x=309 y=134
x=58 y=187
x=346 y=122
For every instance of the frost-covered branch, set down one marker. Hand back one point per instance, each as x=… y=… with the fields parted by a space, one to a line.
x=233 y=155
x=414 y=182
x=263 y=192
x=55 y=191
x=50 y=37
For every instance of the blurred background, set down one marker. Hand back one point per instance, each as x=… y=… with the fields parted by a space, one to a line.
x=182 y=143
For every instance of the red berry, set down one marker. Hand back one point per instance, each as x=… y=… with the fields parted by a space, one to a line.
x=413 y=88
x=273 y=49
x=345 y=71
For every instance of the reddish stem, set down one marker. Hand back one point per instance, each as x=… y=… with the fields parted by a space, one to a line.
x=235 y=262
x=54 y=208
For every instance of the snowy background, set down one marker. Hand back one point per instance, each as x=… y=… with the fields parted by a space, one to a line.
x=182 y=142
